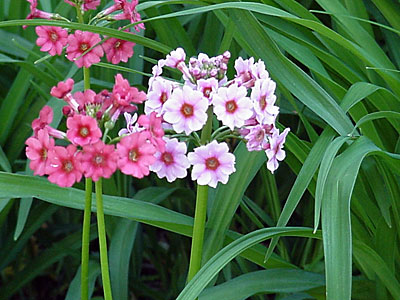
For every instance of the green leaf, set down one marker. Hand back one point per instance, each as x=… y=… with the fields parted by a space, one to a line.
x=266 y=282
x=74 y=290
x=223 y=257
x=23 y=212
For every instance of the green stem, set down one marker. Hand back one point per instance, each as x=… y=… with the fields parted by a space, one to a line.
x=105 y=275
x=200 y=212
x=86 y=240
x=86 y=78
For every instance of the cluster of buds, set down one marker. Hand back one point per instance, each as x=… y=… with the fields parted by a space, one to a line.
x=86 y=48
x=245 y=105
x=204 y=67
x=90 y=116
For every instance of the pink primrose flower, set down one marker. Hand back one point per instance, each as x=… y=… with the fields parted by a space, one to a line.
x=207 y=87
x=231 y=106
x=160 y=93
x=186 y=110
x=275 y=152
x=129 y=13
x=118 y=50
x=212 y=163
x=45 y=118
x=83 y=130
x=257 y=138
x=36 y=13
x=65 y=165
x=62 y=88
x=85 y=98
x=156 y=71
x=136 y=154
x=244 y=74
x=172 y=163
x=152 y=124
x=51 y=39
x=79 y=43
x=126 y=94
x=175 y=57
x=258 y=70
x=264 y=99
x=37 y=151
x=90 y=4
x=99 y=160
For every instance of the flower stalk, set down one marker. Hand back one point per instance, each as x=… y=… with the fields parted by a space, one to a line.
x=105 y=275
x=200 y=212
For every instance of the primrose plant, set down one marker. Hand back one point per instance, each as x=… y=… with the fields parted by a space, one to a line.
x=158 y=140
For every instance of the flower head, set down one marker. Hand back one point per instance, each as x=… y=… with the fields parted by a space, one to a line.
x=79 y=43
x=207 y=87
x=62 y=88
x=159 y=94
x=264 y=99
x=231 y=105
x=51 y=39
x=186 y=110
x=212 y=163
x=65 y=166
x=172 y=163
x=152 y=124
x=129 y=13
x=136 y=154
x=36 y=13
x=45 y=118
x=83 y=130
x=118 y=50
x=37 y=151
x=275 y=152
x=99 y=160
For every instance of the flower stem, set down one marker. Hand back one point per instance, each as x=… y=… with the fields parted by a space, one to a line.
x=85 y=241
x=200 y=212
x=105 y=275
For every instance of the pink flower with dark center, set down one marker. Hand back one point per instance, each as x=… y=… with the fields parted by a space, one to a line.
x=83 y=130
x=207 y=87
x=85 y=98
x=36 y=13
x=231 y=106
x=212 y=163
x=172 y=163
x=175 y=57
x=62 y=88
x=264 y=99
x=99 y=160
x=37 y=151
x=186 y=110
x=45 y=118
x=152 y=124
x=118 y=5
x=79 y=43
x=275 y=152
x=65 y=166
x=118 y=50
x=160 y=93
x=136 y=154
x=130 y=13
x=244 y=75
x=257 y=138
x=52 y=39
x=126 y=94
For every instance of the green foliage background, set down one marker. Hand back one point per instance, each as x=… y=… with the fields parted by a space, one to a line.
x=335 y=63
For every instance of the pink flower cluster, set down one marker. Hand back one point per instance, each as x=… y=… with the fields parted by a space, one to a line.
x=245 y=106
x=82 y=47
x=87 y=154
